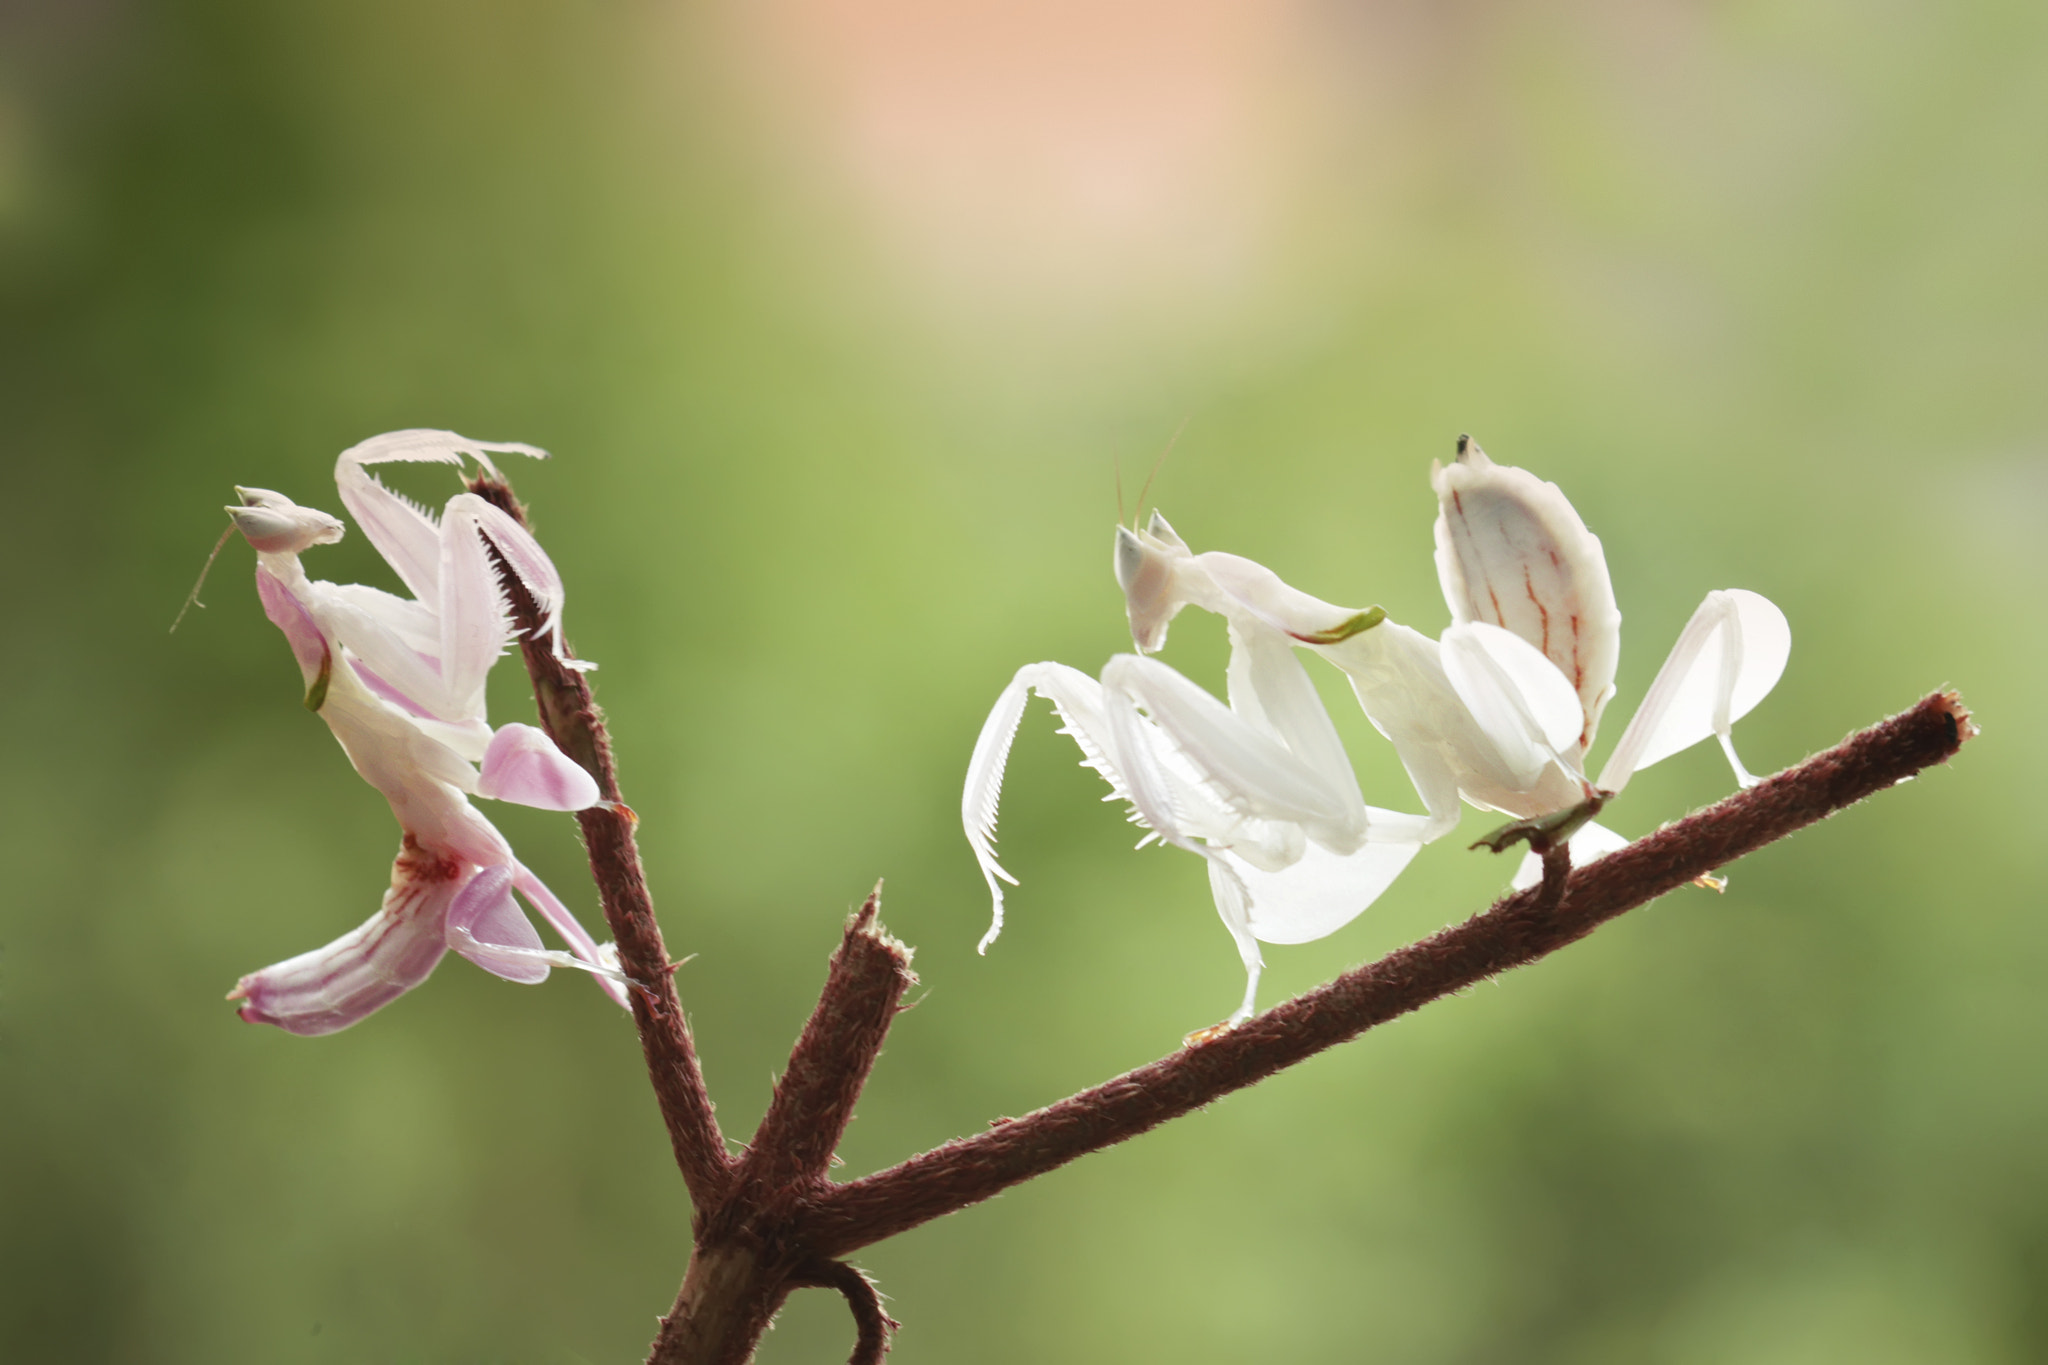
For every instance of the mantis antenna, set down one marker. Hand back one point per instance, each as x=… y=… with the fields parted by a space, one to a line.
x=1156 y=466
x=192 y=598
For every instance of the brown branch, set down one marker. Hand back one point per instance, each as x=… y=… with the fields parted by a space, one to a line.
x=814 y=1101
x=1516 y=930
x=571 y=718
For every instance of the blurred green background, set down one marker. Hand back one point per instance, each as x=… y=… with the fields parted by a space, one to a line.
x=838 y=318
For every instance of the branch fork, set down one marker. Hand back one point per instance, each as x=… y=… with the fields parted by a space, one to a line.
x=752 y=1245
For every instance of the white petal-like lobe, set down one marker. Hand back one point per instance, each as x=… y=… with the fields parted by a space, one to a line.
x=1523 y=705
x=1727 y=659
x=1766 y=649
x=1512 y=551
x=1324 y=891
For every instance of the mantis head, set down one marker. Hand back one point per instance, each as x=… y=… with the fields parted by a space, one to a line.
x=1150 y=565
x=274 y=524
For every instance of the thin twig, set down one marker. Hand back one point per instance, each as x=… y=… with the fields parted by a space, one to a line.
x=814 y=1101
x=1517 y=930
x=872 y=1324
x=572 y=719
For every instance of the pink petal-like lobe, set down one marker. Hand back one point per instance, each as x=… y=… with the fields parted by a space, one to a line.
x=522 y=764
x=367 y=968
x=487 y=926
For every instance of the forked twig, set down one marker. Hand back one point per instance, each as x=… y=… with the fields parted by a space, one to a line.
x=773 y=1221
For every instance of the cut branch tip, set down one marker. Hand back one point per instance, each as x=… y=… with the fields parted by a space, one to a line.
x=1960 y=721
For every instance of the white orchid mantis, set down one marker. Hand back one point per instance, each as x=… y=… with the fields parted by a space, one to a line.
x=1502 y=710
x=401 y=684
x=1261 y=789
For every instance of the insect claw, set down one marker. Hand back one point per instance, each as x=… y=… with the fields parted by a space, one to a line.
x=1209 y=1034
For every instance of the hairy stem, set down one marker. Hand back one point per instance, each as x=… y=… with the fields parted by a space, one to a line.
x=730 y=1295
x=1516 y=930
x=571 y=717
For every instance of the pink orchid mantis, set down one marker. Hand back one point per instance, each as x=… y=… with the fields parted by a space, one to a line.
x=1503 y=709
x=400 y=682
x=1261 y=789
